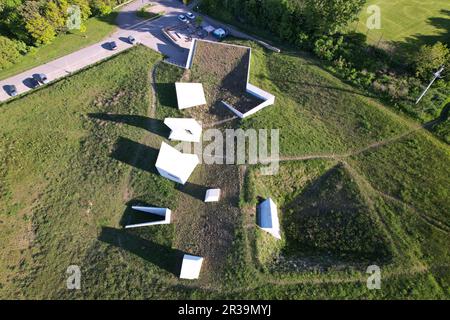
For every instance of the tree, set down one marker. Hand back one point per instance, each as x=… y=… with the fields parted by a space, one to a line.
x=10 y=51
x=330 y=16
x=198 y=20
x=101 y=7
x=40 y=30
x=55 y=11
x=430 y=58
x=84 y=8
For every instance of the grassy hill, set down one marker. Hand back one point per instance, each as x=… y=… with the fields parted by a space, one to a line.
x=76 y=154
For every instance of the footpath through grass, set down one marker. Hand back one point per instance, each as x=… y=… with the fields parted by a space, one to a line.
x=76 y=154
x=97 y=29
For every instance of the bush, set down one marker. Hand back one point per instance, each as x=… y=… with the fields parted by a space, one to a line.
x=10 y=51
x=101 y=7
x=326 y=47
x=429 y=58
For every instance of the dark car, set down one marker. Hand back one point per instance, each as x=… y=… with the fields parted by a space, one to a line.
x=113 y=45
x=12 y=90
x=33 y=83
x=40 y=77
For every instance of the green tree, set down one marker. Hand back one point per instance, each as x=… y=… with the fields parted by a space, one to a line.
x=10 y=51
x=330 y=16
x=101 y=7
x=84 y=8
x=55 y=11
x=40 y=30
x=429 y=58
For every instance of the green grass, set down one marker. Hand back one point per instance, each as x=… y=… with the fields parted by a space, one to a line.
x=399 y=185
x=419 y=22
x=69 y=170
x=145 y=14
x=64 y=172
x=97 y=29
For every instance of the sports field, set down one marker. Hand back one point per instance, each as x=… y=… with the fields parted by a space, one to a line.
x=411 y=21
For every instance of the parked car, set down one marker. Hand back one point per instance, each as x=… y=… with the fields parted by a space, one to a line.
x=42 y=78
x=220 y=33
x=12 y=90
x=113 y=45
x=131 y=40
x=33 y=83
x=182 y=18
x=190 y=15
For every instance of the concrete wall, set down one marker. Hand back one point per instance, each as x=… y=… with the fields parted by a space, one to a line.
x=191 y=54
x=268 y=98
x=229 y=106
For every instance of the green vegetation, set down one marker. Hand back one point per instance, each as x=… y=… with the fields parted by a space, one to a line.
x=332 y=216
x=357 y=184
x=423 y=22
x=389 y=74
x=64 y=172
x=40 y=31
x=145 y=14
x=97 y=28
x=388 y=186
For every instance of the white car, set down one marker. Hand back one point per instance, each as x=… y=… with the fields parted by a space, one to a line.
x=132 y=40
x=190 y=15
x=182 y=18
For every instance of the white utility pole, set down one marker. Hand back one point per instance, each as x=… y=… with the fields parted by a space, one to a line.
x=437 y=74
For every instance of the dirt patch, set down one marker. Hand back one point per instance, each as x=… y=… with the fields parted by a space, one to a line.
x=207 y=229
x=223 y=71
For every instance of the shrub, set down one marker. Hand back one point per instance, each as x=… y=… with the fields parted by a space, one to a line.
x=325 y=47
x=429 y=58
x=101 y=7
x=10 y=51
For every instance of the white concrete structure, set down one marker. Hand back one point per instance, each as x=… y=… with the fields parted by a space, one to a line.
x=175 y=165
x=212 y=195
x=184 y=129
x=268 y=218
x=190 y=269
x=268 y=98
x=189 y=95
x=163 y=212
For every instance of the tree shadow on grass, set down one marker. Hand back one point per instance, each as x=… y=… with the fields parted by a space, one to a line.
x=164 y=257
x=135 y=154
x=412 y=43
x=152 y=125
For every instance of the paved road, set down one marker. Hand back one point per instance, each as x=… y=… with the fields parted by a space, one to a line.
x=147 y=32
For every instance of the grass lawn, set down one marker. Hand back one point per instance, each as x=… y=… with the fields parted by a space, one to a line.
x=97 y=29
x=417 y=22
x=64 y=172
x=376 y=192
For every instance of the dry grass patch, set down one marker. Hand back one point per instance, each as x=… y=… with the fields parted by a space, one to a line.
x=223 y=70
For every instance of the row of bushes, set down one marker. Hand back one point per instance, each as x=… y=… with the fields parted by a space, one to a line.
x=372 y=69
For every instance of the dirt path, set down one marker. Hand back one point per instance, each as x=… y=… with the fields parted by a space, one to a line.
x=351 y=153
